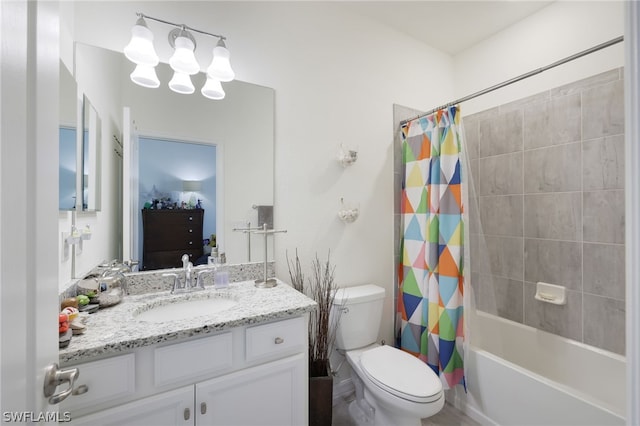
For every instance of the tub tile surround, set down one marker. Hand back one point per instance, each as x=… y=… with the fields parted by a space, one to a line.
x=559 y=218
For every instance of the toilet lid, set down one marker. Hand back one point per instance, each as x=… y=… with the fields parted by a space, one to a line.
x=401 y=374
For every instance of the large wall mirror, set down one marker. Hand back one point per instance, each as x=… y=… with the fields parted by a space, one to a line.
x=90 y=157
x=68 y=139
x=241 y=127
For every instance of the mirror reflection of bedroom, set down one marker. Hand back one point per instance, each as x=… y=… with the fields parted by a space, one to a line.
x=177 y=197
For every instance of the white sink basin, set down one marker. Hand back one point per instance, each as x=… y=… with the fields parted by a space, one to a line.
x=180 y=310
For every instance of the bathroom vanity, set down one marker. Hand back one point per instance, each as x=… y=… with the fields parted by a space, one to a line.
x=244 y=364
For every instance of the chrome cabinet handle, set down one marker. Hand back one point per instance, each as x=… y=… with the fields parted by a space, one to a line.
x=203 y=408
x=187 y=413
x=54 y=377
x=279 y=340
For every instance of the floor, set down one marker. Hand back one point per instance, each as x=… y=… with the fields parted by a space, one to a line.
x=448 y=416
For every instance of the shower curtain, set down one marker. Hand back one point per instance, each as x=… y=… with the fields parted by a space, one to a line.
x=431 y=279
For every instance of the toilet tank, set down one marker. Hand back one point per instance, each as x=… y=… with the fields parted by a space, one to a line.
x=361 y=313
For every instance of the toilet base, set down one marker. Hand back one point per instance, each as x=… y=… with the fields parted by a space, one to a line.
x=385 y=417
x=358 y=414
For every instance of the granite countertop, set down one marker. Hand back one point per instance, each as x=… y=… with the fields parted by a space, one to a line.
x=117 y=329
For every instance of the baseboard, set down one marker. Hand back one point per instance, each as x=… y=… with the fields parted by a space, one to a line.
x=342 y=389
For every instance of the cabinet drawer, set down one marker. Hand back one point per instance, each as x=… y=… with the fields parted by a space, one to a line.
x=276 y=338
x=107 y=379
x=190 y=360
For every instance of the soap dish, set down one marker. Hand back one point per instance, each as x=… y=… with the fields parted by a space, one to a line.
x=551 y=293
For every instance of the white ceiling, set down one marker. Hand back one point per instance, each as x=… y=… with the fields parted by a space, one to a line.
x=449 y=26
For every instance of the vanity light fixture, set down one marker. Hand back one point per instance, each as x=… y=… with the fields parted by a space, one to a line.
x=145 y=76
x=140 y=51
x=181 y=83
x=220 y=67
x=212 y=89
x=183 y=59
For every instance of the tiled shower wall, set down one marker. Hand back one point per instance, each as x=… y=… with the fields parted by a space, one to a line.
x=548 y=174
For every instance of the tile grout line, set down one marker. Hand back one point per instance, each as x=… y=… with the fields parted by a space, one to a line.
x=582 y=316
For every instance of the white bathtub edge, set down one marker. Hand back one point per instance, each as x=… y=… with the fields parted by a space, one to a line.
x=500 y=392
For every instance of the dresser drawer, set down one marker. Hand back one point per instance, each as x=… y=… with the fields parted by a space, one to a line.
x=276 y=338
x=106 y=380
x=173 y=239
x=169 y=259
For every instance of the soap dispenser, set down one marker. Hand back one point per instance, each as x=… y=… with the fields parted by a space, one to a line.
x=221 y=275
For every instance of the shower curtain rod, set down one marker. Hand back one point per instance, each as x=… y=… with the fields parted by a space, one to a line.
x=521 y=77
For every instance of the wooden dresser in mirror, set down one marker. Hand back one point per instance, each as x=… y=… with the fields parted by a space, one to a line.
x=169 y=234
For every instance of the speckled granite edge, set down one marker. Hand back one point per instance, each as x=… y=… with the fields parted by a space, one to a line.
x=117 y=329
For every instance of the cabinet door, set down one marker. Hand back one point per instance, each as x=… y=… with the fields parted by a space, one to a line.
x=270 y=394
x=169 y=408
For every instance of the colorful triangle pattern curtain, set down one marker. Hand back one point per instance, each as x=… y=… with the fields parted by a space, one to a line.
x=430 y=298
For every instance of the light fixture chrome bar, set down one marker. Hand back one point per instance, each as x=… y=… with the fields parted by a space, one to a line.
x=182 y=26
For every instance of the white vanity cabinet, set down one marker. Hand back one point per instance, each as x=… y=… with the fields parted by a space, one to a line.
x=269 y=394
x=166 y=409
x=253 y=375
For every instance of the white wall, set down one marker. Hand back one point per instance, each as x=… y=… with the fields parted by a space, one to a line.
x=557 y=31
x=336 y=78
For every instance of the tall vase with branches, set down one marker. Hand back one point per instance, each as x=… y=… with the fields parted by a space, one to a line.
x=321 y=287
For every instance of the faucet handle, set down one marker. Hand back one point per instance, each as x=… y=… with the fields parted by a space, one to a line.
x=131 y=263
x=200 y=279
x=176 y=282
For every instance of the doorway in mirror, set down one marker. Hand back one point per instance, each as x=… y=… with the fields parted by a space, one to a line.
x=177 y=176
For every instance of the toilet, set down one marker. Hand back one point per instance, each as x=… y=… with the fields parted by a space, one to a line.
x=392 y=386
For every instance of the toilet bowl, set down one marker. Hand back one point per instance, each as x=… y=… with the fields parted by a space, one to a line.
x=392 y=386
x=397 y=388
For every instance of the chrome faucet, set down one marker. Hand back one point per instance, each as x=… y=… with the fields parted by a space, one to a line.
x=114 y=274
x=188 y=282
x=191 y=282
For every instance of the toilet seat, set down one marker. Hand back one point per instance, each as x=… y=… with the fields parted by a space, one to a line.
x=401 y=374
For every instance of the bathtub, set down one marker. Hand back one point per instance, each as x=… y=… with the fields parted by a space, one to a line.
x=531 y=377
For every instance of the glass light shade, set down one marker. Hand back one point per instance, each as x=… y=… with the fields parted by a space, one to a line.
x=191 y=185
x=181 y=83
x=145 y=76
x=220 y=67
x=140 y=49
x=183 y=60
x=212 y=89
